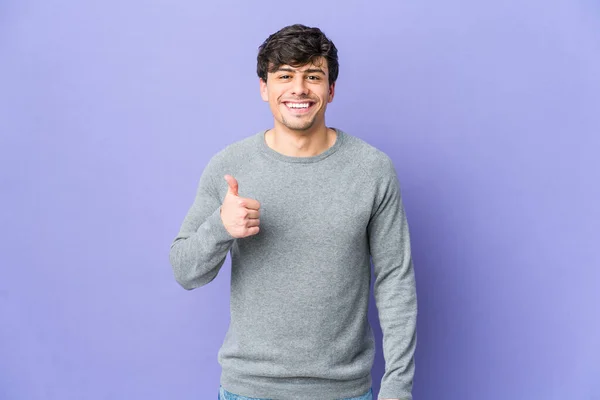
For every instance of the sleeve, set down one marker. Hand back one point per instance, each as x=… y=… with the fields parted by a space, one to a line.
x=199 y=250
x=394 y=288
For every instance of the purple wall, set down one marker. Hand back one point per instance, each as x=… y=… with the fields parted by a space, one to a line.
x=110 y=110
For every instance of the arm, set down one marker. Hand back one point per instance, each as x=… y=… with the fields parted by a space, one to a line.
x=394 y=288
x=201 y=246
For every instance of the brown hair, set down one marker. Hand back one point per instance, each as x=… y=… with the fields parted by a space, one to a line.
x=296 y=45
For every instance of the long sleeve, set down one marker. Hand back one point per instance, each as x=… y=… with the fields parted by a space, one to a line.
x=394 y=288
x=200 y=248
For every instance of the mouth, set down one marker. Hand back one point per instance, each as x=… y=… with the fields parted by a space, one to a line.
x=299 y=107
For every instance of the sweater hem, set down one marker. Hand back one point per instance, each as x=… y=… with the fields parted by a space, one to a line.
x=294 y=388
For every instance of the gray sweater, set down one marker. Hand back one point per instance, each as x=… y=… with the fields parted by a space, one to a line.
x=300 y=287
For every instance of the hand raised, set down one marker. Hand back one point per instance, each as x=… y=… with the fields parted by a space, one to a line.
x=240 y=215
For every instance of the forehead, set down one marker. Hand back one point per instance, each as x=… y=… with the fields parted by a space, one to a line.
x=319 y=64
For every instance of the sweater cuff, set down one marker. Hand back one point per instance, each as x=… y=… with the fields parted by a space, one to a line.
x=214 y=225
x=395 y=390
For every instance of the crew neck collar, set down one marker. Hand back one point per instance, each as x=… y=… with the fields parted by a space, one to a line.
x=340 y=136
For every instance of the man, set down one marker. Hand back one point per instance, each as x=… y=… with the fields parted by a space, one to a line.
x=301 y=207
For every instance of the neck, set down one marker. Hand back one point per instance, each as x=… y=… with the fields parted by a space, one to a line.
x=295 y=143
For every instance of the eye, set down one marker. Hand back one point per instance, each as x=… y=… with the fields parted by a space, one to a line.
x=284 y=77
x=313 y=77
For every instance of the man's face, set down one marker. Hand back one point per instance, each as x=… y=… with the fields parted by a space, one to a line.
x=298 y=96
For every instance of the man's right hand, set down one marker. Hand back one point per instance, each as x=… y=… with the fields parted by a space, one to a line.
x=239 y=214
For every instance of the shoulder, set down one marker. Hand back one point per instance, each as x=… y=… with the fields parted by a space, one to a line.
x=233 y=153
x=374 y=161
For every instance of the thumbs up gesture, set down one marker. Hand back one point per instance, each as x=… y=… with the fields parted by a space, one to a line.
x=240 y=215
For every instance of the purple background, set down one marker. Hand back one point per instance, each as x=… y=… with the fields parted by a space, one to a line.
x=110 y=110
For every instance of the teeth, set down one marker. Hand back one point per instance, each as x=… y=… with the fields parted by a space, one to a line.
x=297 y=105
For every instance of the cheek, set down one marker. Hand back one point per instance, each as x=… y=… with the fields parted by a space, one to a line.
x=273 y=99
x=271 y=96
x=274 y=104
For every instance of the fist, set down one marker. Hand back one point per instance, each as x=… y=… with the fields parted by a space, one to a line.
x=240 y=215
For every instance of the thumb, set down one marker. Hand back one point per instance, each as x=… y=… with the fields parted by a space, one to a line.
x=233 y=185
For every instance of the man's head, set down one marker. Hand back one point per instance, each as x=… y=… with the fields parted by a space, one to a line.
x=298 y=67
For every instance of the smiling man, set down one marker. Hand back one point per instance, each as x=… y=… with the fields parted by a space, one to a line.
x=302 y=209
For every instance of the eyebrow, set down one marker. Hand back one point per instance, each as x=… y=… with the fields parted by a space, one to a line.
x=308 y=71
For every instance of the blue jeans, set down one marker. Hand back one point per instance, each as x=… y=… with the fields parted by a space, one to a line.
x=225 y=395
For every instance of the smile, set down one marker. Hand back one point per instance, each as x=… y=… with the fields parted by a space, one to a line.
x=299 y=108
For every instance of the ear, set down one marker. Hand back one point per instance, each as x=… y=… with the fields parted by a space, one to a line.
x=263 y=89
x=331 y=92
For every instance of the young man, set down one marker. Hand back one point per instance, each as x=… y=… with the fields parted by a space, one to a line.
x=301 y=208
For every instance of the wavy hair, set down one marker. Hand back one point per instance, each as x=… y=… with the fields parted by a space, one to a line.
x=296 y=45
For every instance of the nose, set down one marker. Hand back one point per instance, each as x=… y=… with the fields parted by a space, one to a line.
x=299 y=85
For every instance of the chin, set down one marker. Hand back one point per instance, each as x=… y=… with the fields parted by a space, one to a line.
x=303 y=126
